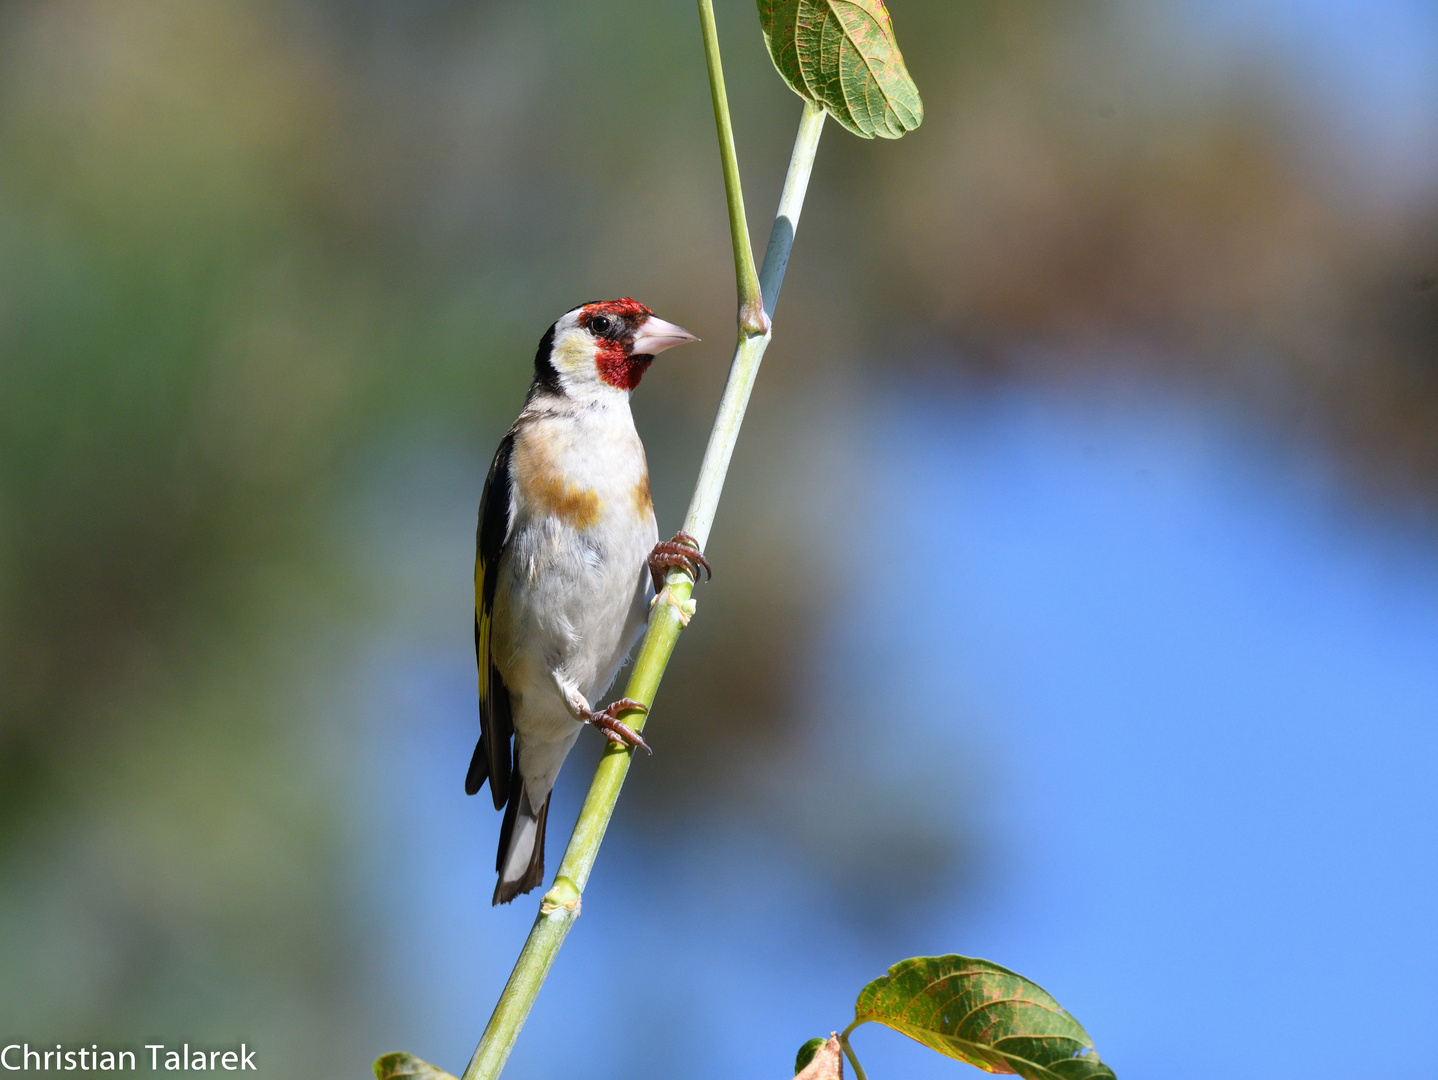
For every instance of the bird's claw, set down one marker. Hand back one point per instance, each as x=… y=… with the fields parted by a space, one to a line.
x=615 y=730
x=680 y=553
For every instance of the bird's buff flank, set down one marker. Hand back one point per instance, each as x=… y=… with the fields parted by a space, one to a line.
x=567 y=566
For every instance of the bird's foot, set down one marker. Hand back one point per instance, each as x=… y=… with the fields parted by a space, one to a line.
x=680 y=553
x=615 y=730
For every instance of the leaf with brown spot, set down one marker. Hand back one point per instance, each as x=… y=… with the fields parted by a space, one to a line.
x=983 y=1014
x=843 y=55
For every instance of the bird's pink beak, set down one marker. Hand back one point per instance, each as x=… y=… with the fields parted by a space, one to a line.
x=655 y=335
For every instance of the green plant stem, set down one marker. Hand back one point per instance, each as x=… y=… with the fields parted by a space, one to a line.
x=849 y=1052
x=752 y=319
x=791 y=204
x=749 y=351
x=561 y=905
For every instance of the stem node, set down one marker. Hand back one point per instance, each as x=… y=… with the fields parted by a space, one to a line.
x=563 y=896
x=753 y=319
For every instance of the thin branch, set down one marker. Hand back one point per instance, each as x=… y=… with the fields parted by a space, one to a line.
x=749 y=351
x=752 y=320
x=849 y=1053
x=791 y=204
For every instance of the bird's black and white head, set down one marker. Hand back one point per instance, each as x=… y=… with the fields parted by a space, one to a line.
x=602 y=348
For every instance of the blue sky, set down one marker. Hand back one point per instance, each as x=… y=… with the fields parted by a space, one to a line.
x=1173 y=692
x=1362 y=76
x=1209 y=690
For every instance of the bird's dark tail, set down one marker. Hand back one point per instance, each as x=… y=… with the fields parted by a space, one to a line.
x=520 y=861
x=478 y=768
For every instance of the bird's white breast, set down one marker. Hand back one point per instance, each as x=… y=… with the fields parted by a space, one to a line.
x=574 y=586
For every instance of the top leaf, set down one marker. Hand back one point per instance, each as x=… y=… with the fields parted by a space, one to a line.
x=842 y=55
x=983 y=1014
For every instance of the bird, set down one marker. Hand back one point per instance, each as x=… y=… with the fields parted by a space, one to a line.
x=568 y=562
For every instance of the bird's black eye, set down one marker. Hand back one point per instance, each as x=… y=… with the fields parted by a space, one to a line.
x=600 y=324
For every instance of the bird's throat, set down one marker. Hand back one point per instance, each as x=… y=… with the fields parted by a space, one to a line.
x=617 y=368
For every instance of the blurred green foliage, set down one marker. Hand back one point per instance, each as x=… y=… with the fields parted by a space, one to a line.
x=189 y=351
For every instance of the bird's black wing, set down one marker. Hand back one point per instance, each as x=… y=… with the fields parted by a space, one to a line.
x=492 y=756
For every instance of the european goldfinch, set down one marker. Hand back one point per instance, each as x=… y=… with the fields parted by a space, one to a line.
x=567 y=567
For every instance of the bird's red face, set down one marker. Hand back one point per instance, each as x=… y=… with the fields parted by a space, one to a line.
x=599 y=348
x=612 y=323
x=609 y=343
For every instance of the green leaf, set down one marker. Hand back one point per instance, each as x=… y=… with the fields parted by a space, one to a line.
x=842 y=54
x=402 y=1066
x=806 y=1054
x=983 y=1014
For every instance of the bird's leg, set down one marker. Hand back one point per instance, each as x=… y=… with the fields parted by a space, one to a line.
x=616 y=730
x=683 y=553
x=606 y=720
